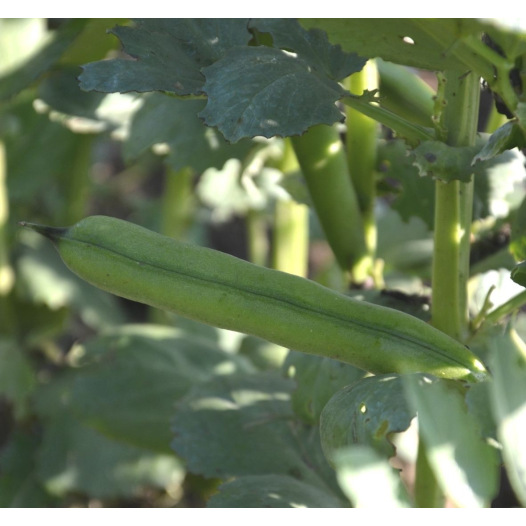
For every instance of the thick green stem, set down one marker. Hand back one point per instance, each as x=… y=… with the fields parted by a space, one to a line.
x=453 y=211
x=361 y=143
x=453 y=214
x=323 y=162
x=427 y=493
x=291 y=226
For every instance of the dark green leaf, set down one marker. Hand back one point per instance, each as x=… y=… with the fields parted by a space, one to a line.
x=317 y=380
x=169 y=55
x=244 y=425
x=272 y=491
x=172 y=121
x=76 y=458
x=441 y=161
x=366 y=412
x=415 y=196
x=60 y=90
x=518 y=274
x=134 y=376
x=264 y=91
x=312 y=46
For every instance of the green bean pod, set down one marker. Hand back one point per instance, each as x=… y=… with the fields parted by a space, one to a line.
x=223 y=291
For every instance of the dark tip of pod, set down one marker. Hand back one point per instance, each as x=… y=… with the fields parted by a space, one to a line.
x=53 y=233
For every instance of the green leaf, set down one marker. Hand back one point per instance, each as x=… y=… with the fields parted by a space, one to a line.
x=507 y=137
x=272 y=491
x=75 y=458
x=174 y=122
x=441 y=161
x=313 y=46
x=42 y=58
x=60 y=90
x=465 y=466
x=264 y=91
x=414 y=195
x=243 y=425
x=368 y=480
x=518 y=274
x=169 y=55
x=133 y=375
x=366 y=412
x=508 y=396
x=412 y=42
x=317 y=380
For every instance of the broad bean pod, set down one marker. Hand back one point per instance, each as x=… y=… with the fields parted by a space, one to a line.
x=220 y=290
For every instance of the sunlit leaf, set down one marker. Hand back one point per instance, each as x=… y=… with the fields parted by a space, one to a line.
x=508 y=365
x=367 y=479
x=466 y=467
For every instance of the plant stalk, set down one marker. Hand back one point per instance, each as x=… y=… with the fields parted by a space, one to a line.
x=453 y=215
x=361 y=144
x=291 y=226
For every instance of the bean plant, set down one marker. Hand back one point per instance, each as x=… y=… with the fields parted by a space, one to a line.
x=369 y=351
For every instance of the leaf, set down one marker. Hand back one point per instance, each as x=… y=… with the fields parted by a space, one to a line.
x=508 y=396
x=420 y=43
x=518 y=274
x=317 y=380
x=441 y=161
x=313 y=46
x=368 y=480
x=263 y=91
x=465 y=466
x=366 y=412
x=243 y=425
x=271 y=491
x=169 y=55
x=174 y=122
x=60 y=90
x=507 y=137
x=415 y=196
x=75 y=458
x=133 y=375
x=446 y=163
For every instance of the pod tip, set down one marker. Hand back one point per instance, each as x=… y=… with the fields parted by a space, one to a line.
x=50 y=232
